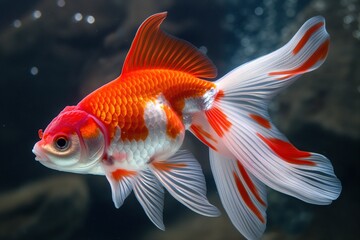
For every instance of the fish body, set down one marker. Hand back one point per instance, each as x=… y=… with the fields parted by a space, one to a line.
x=153 y=107
x=150 y=109
x=131 y=129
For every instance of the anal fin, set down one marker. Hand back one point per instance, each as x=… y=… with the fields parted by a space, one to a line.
x=182 y=177
x=150 y=194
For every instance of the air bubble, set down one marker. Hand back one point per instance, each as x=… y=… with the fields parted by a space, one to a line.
x=34 y=71
x=259 y=11
x=36 y=14
x=17 y=23
x=78 y=17
x=348 y=19
x=90 y=19
x=61 y=3
x=356 y=34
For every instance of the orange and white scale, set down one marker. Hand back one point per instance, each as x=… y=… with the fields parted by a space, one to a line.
x=131 y=129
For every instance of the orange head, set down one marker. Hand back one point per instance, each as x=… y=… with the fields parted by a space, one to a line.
x=74 y=141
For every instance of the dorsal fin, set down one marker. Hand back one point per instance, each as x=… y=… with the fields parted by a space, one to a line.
x=152 y=48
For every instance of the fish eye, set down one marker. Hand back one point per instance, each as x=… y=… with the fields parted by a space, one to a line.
x=62 y=143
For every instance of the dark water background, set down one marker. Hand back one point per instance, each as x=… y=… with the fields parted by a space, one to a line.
x=54 y=52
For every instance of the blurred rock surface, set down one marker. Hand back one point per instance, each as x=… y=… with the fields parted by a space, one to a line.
x=52 y=208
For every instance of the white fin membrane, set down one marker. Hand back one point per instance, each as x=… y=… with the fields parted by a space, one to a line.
x=120 y=190
x=242 y=195
x=238 y=131
x=246 y=128
x=150 y=194
x=182 y=177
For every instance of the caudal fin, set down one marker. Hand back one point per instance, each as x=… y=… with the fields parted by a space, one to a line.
x=237 y=126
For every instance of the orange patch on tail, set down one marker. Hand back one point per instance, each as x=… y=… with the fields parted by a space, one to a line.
x=245 y=196
x=203 y=135
x=165 y=166
x=287 y=151
x=306 y=37
x=261 y=120
x=219 y=95
x=249 y=183
x=319 y=54
x=218 y=121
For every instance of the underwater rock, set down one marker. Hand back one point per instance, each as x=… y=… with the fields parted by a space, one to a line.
x=51 y=208
x=191 y=225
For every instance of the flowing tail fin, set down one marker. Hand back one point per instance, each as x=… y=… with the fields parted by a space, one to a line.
x=237 y=128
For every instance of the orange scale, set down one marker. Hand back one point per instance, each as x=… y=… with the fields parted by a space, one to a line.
x=135 y=111
x=123 y=110
x=129 y=112
x=106 y=107
x=108 y=118
x=111 y=108
x=123 y=99
x=145 y=85
x=98 y=113
x=118 y=100
x=107 y=101
x=102 y=116
x=135 y=99
x=114 y=122
x=117 y=110
x=101 y=106
x=113 y=99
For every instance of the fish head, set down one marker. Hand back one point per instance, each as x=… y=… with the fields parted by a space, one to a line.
x=74 y=141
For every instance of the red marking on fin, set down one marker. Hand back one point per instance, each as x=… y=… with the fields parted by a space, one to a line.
x=261 y=120
x=219 y=95
x=40 y=133
x=218 y=121
x=120 y=173
x=287 y=151
x=319 y=54
x=285 y=77
x=152 y=48
x=165 y=166
x=306 y=37
x=202 y=135
x=249 y=183
x=245 y=196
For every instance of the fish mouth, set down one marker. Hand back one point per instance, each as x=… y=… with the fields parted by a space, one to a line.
x=39 y=156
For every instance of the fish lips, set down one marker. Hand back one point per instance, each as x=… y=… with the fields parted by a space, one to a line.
x=39 y=154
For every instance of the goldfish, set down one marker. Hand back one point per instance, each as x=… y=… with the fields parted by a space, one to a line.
x=132 y=128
